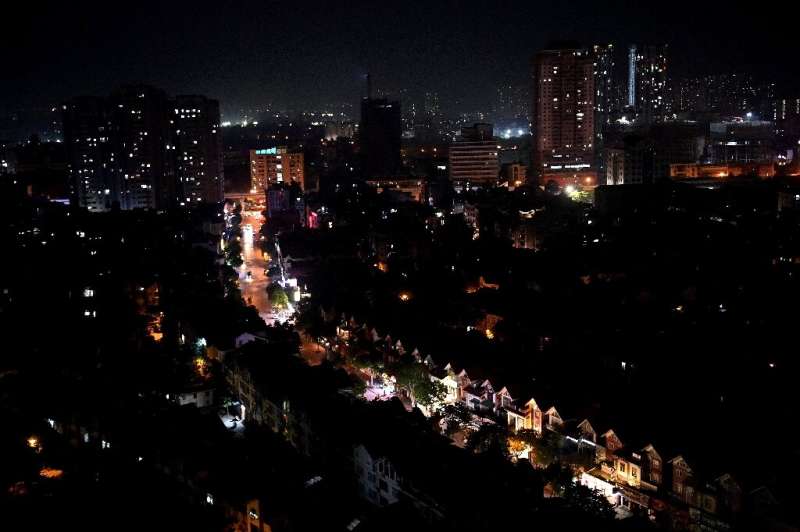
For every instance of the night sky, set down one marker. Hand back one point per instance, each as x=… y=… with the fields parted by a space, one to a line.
x=305 y=54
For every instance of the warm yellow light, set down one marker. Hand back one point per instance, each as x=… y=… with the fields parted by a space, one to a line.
x=33 y=443
x=200 y=365
x=49 y=472
x=405 y=296
x=489 y=334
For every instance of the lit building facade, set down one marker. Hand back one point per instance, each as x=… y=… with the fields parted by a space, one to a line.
x=603 y=61
x=564 y=112
x=604 y=97
x=139 y=132
x=270 y=166
x=197 y=147
x=139 y=149
x=647 y=82
x=473 y=157
x=86 y=137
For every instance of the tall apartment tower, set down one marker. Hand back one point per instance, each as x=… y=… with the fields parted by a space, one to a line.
x=603 y=61
x=379 y=135
x=474 y=157
x=604 y=98
x=85 y=122
x=139 y=133
x=564 y=113
x=139 y=149
x=197 y=150
x=647 y=82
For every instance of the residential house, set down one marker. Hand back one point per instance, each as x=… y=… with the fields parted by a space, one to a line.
x=479 y=396
x=448 y=378
x=628 y=467
x=607 y=443
x=602 y=482
x=525 y=415
x=585 y=431
x=552 y=419
x=652 y=465
x=611 y=442
x=680 y=474
x=581 y=438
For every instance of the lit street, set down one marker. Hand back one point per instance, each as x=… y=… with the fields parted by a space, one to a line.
x=254 y=289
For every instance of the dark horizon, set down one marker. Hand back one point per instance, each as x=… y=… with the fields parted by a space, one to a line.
x=257 y=53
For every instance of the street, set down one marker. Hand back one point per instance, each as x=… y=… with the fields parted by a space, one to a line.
x=254 y=290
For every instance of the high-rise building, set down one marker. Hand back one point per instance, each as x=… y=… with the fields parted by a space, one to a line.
x=379 y=136
x=139 y=149
x=604 y=96
x=197 y=147
x=473 y=157
x=271 y=166
x=139 y=133
x=603 y=61
x=564 y=92
x=86 y=137
x=647 y=82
